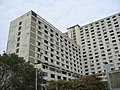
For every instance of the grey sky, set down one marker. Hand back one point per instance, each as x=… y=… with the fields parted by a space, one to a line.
x=61 y=13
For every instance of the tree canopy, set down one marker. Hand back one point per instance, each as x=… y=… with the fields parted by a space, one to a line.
x=91 y=82
x=16 y=74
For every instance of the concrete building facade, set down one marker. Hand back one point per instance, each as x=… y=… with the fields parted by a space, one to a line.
x=99 y=42
x=33 y=38
x=82 y=50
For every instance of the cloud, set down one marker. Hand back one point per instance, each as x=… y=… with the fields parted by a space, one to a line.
x=60 y=13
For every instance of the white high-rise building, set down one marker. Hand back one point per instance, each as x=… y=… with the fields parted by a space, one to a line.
x=34 y=38
x=80 y=51
x=99 y=42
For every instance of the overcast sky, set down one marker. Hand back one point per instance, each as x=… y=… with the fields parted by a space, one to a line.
x=60 y=13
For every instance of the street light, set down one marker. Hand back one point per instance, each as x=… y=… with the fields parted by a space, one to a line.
x=36 y=77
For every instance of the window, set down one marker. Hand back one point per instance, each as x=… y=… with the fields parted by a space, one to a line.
x=67 y=66
x=52 y=50
x=51 y=35
x=38 y=49
x=91 y=57
x=20 y=23
x=62 y=50
x=105 y=33
x=46 y=41
x=58 y=63
x=94 y=42
x=46 y=36
x=106 y=39
x=93 y=36
x=109 y=22
x=113 y=41
x=86 y=66
x=96 y=23
x=103 y=26
x=101 y=44
x=52 y=61
x=19 y=33
x=101 y=47
x=97 y=26
x=34 y=14
x=116 y=48
x=96 y=56
x=38 y=43
x=52 y=76
x=108 y=49
x=103 y=54
x=45 y=52
x=17 y=50
x=18 y=39
x=40 y=33
x=105 y=36
x=19 y=28
x=64 y=78
x=39 y=27
x=114 y=19
x=34 y=19
x=113 y=16
x=39 y=22
x=57 y=57
x=51 y=30
x=116 y=51
x=63 y=65
x=116 y=25
x=18 y=44
x=102 y=21
x=108 y=18
x=111 y=61
x=112 y=68
x=45 y=26
x=52 y=45
x=92 y=69
x=46 y=31
x=56 y=34
x=118 y=35
x=98 y=63
x=111 y=31
x=94 y=46
x=112 y=34
x=92 y=33
x=44 y=67
x=99 y=34
x=58 y=77
x=46 y=58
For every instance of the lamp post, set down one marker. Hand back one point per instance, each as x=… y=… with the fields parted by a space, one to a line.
x=36 y=76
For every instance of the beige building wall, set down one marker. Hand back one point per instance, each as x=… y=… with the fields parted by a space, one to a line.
x=99 y=42
x=33 y=38
x=74 y=34
x=19 y=36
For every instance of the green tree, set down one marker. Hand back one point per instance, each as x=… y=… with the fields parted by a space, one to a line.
x=57 y=85
x=93 y=82
x=16 y=74
x=90 y=82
